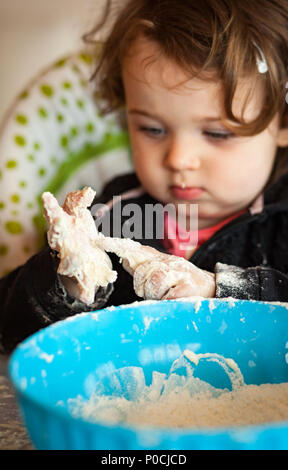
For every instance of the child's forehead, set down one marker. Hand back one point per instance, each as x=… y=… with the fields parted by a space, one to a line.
x=147 y=67
x=146 y=62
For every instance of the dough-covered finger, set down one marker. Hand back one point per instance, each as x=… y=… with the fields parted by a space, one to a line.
x=57 y=219
x=181 y=290
x=202 y=285
x=78 y=200
x=153 y=279
x=51 y=209
x=132 y=252
x=152 y=286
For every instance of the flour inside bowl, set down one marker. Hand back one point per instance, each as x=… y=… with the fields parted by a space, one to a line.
x=181 y=400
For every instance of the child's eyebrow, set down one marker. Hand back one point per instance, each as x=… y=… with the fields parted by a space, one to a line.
x=199 y=119
x=142 y=112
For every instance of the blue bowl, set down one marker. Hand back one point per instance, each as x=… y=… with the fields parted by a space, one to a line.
x=67 y=359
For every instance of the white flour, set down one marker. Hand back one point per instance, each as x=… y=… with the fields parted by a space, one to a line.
x=181 y=401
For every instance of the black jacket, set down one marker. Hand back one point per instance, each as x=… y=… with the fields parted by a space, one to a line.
x=249 y=256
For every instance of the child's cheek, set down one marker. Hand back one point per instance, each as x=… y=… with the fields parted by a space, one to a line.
x=228 y=179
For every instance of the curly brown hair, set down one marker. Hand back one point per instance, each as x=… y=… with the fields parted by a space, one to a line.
x=217 y=36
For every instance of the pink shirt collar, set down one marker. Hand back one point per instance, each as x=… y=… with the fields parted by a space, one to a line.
x=178 y=241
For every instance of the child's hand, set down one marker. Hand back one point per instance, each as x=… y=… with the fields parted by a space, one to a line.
x=72 y=232
x=172 y=277
x=158 y=275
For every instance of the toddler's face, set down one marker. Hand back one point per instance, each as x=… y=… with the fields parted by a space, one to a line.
x=182 y=151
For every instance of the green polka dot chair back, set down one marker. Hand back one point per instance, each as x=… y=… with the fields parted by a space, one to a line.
x=53 y=139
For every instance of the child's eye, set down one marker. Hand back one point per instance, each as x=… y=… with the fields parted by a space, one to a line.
x=218 y=135
x=152 y=131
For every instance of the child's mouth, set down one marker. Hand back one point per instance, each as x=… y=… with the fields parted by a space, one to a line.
x=186 y=193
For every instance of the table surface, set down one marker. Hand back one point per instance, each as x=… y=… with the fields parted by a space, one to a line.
x=13 y=435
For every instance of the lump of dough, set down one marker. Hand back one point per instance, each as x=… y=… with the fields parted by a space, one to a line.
x=72 y=232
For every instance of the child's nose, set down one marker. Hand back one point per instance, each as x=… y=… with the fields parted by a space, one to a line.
x=183 y=156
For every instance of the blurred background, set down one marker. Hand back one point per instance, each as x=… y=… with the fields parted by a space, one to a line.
x=34 y=33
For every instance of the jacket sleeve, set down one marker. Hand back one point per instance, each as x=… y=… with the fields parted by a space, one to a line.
x=33 y=297
x=257 y=283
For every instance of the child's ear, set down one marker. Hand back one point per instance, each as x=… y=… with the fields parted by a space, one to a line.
x=282 y=136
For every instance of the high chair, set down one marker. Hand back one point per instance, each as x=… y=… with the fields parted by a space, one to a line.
x=53 y=138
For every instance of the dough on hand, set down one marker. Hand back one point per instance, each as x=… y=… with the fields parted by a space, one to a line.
x=158 y=275
x=73 y=233
x=82 y=252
